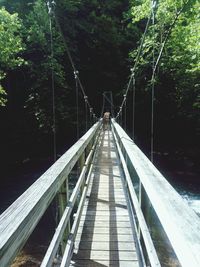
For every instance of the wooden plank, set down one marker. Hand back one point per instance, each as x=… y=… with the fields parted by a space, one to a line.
x=107 y=186
x=104 y=237
x=20 y=219
x=106 y=207
x=117 y=201
x=121 y=202
x=104 y=263
x=103 y=213
x=110 y=219
x=112 y=194
x=106 y=255
x=105 y=230
x=106 y=224
x=88 y=245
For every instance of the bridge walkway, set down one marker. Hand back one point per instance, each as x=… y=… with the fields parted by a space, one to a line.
x=105 y=236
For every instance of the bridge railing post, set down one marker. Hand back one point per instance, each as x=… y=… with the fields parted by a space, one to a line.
x=81 y=165
x=63 y=198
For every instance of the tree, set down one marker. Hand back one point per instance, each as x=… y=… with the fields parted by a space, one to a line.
x=11 y=46
x=177 y=85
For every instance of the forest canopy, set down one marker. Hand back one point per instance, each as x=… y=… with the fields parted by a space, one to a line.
x=103 y=38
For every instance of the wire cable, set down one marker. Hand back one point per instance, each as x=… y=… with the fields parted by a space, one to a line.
x=168 y=34
x=86 y=113
x=134 y=91
x=136 y=61
x=72 y=62
x=50 y=5
x=125 y=106
x=103 y=106
x=77 y=105
x=156 y=63
x=153 y=83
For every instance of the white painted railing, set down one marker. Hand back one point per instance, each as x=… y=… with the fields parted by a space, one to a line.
x=20 y=219
x=150 y=190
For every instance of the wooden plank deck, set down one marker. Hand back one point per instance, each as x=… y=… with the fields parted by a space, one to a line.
x=105 y=236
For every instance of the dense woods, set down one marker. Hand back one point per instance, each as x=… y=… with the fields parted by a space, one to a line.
x=103 y=38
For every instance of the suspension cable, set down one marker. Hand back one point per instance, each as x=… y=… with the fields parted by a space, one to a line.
x=50 y=6
x=136 y=62
x=156 y=63
x=72 y=63
x=168 y=34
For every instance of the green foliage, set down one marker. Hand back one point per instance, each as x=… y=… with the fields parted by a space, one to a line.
x=100 y=36
x=10 y=46
x=39 y=101
x=180 y=60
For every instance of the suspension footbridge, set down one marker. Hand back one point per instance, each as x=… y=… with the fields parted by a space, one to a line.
x=121 y=212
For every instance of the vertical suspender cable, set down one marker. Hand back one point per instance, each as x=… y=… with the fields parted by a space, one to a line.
x=86 y=114
x=91 y=116
x=120 y=112
x=153 y=84
x=102 y=111
x=112 y=106
x=133 y=81
x=50 y=5
x=77 y=105
x=125 y=106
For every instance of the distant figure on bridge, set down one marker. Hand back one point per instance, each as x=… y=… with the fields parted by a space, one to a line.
x=106 y=121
